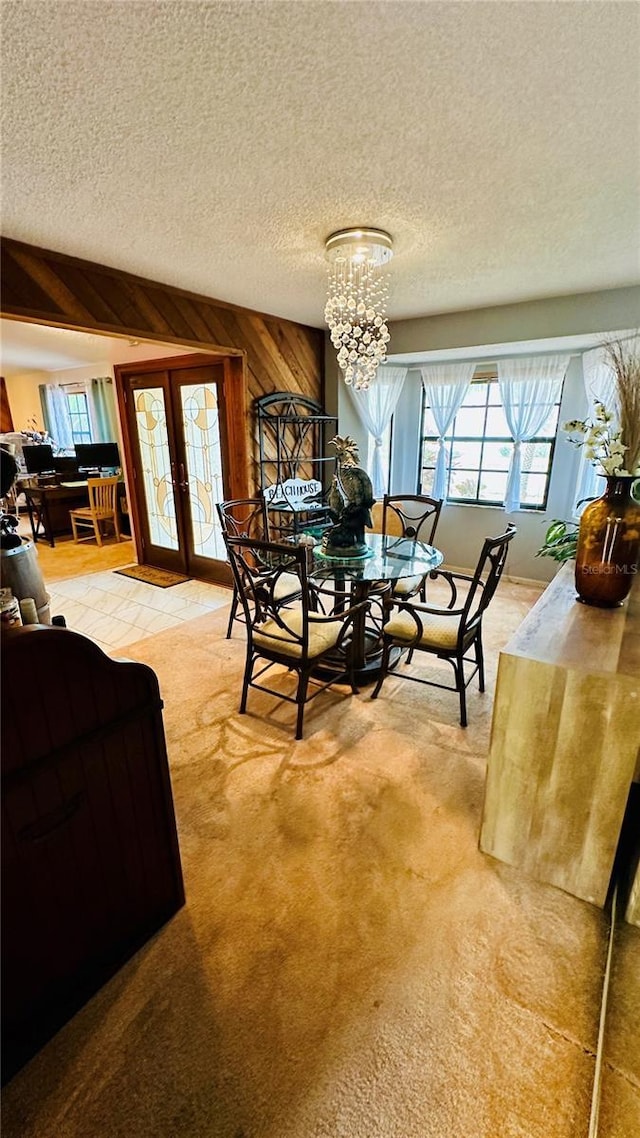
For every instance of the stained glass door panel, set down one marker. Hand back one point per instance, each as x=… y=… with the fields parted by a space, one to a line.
x=203 y=452
x=153 y=440
x=185 y=438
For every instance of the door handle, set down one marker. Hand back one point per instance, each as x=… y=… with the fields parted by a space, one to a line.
x=184 y=484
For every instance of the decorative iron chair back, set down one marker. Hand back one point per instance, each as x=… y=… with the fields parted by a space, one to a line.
x=453 y=642
x=485 y=579
x=244 y=517
x=258 y=568
x=417 y=513
x=297 y=631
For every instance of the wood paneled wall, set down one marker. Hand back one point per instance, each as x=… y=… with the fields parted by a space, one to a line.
x=52 y=288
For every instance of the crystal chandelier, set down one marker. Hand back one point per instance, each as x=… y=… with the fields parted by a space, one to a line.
x=357 y=301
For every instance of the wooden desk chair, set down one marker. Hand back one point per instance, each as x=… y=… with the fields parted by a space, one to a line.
x=103 y=507
x=414 y=516
x=297 y=638
x=449 y=632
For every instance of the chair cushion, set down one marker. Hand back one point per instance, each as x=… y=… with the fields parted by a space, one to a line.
x=438 y=631
x=287 y=585
x=408 y=585
x=321 y=636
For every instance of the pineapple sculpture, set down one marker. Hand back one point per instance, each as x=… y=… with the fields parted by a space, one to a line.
x=350 y=502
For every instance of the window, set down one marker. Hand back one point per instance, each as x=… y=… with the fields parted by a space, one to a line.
x=79 y=415
x=479 y=447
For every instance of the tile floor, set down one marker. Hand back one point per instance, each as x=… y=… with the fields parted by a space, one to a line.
x=115 y=611
x=112 y=610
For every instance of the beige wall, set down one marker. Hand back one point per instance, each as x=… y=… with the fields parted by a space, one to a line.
x=24 y=400
x=576 y=315
x=22 y=390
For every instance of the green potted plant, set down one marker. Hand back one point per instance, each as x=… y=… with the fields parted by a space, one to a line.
x=560 y=541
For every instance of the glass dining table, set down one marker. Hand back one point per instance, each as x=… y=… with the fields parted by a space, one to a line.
x=388 y=560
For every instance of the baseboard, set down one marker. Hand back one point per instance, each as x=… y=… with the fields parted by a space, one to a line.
x=530 y=581
x=526 y=580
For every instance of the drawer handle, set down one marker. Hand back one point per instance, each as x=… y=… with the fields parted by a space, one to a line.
x=54 y=820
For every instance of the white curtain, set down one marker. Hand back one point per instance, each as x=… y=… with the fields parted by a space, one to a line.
x=599 y=384
x=529 y=387
x=445 y=387
x=375 y=406
x=55 y=411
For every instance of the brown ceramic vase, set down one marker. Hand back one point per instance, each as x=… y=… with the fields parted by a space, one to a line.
x=609 y=545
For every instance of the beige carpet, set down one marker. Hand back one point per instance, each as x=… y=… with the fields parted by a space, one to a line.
x=348 y=965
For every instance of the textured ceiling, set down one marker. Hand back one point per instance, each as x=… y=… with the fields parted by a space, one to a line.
x=215 y=145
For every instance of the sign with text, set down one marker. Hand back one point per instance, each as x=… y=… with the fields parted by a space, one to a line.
x=293 y=493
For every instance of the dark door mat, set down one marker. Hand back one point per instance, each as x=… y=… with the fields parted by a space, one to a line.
x=152 y=576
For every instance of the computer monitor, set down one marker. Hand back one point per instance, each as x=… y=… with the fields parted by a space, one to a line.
x=66 y=464
x=97 y=456
x=38 y=459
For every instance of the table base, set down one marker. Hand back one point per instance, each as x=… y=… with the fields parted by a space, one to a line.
x=370 y=670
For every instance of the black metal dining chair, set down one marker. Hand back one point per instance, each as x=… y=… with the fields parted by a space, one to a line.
x=448 y=632
x=248 y=517
x=412 y=516
x=299 y=637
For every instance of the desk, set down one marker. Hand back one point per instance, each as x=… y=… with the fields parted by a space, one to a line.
x=390 y=559
x=48 y=506
x=565 y=739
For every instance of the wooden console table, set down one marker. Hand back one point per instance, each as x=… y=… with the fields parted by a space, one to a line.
x=565 y=741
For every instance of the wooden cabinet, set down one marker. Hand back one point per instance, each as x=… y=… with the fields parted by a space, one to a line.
x=565 y=740
x=90 y=860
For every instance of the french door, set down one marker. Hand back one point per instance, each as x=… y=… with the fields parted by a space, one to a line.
x=183 y=425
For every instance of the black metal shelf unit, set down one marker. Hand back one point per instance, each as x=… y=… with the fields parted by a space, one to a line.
x=293 y=435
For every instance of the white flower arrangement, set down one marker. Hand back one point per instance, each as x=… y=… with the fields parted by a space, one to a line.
x=602 y=441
